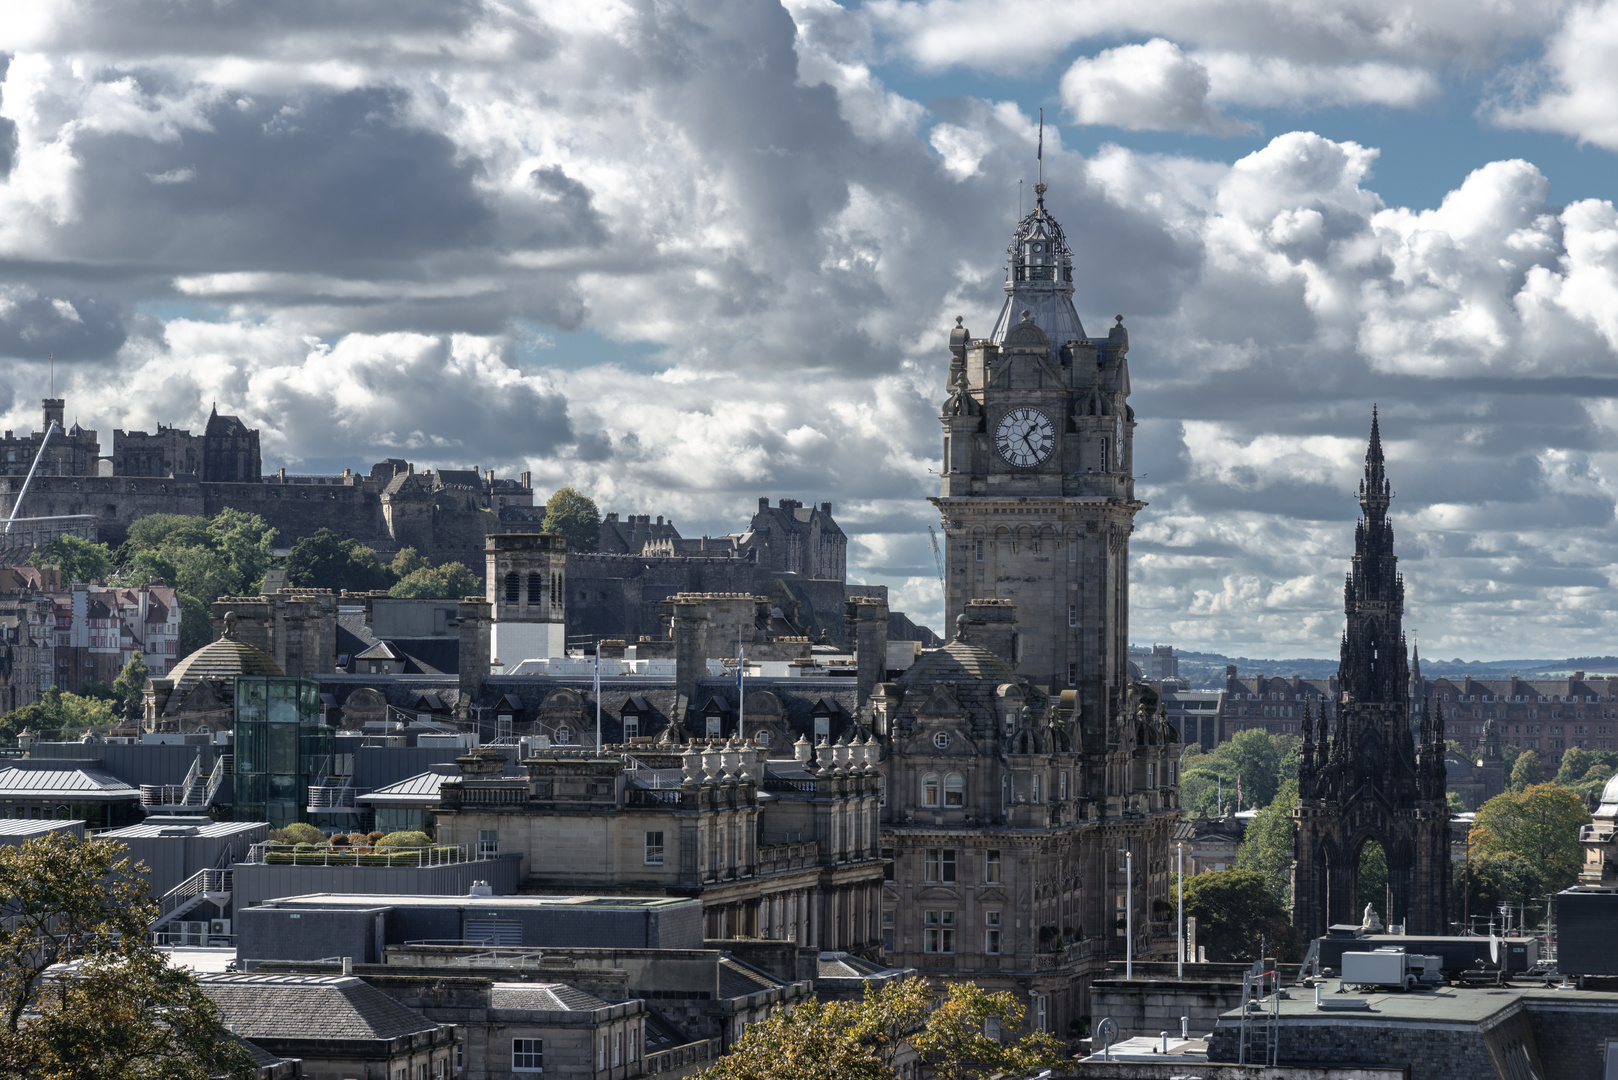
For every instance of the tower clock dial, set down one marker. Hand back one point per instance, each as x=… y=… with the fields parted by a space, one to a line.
x=1025 y=437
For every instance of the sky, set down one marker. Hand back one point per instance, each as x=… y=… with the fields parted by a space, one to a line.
x=681 y=255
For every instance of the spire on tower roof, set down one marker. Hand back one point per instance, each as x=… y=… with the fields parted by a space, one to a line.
x=1375 y=492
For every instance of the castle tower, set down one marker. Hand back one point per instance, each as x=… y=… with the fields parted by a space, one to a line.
x=526 y=588
x=1037 y=496
x=1376 y=779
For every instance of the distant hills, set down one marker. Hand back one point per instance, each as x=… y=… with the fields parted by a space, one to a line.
x=1207 y=670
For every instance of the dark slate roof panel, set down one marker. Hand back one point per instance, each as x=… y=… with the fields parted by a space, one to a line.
x=548 y=997
x=309 y=1007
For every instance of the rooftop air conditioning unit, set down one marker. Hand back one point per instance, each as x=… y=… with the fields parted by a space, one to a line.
x=219 y=927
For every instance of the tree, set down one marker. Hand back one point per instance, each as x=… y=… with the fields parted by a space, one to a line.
x=451 y=581
x=78 y=560
x=1235 y=912
x=324 y=560
x=1257 y=760
x=130 y=686
x=1373 y=880
x=960 y=1040
x=64 y=713
x=1267 y=844
x=119 y=1009
x=847 y=1040
x=1508 y=754
x=1539 y=825
x=407 y=562
x=1485 y=882
x=1202 y=779
x=1575 y=763
x=574 y=515
x=1456 y=804
x=1527 y=771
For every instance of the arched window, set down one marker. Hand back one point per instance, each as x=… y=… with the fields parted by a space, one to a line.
x=536 y=587
x=954 y=790
x=929 y=790
x=513 y=588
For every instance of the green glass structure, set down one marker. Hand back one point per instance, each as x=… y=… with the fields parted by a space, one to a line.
x=280 y=747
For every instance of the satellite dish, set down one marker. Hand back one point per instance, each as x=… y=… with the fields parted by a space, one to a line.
x=1107 y=1032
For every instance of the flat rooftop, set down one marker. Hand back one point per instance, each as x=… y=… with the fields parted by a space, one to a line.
x=1444 y=1005
x=506 y=903
x=183 y=826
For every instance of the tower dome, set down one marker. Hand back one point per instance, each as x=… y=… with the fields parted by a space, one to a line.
x=1039 y=278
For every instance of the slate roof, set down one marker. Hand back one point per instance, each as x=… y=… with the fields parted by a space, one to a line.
x=418 y=790
x=662 y=1034
x=544 y=997
x=223 y=659
x=309 y=1007
x=737 y=979
x=842 y=965
x=63 y=780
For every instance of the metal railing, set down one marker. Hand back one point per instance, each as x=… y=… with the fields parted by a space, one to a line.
x=195 y=792
x=313 y=855
x=212 y=884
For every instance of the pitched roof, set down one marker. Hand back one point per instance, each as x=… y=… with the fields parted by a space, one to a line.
x=546 y=997
x=222 y=659
x=418 y=790
x=309 y=1007
x=82 y=783
x=737 y=979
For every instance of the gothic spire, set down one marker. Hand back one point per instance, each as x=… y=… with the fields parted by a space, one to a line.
x=1375 y=492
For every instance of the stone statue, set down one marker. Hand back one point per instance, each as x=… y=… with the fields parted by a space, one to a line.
x=1370 y=922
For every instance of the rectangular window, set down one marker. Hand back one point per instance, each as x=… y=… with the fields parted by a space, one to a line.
x=488 y=843
x=980 y=550
x=822 y=729
x=1073 y=614
x=635 y=1037
x=714 y=723
x=938 y=932
x=929 y=789
x=1061 y=785
x=617 y=1048
x=1041 y=1017
x=887 y=864
x=941 y=865
x=631 y=727
x=1036 y=787
x=1073 y=551
x=654 y=849
x=991 y=867
x=1073 y=674
x=527 y=1055
x=601 y=1051
x=887 y=931
x=991 y=933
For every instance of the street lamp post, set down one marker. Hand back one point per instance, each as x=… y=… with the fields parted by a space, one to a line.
x=1179 y=928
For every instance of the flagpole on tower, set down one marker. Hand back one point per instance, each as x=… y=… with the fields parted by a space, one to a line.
x=1039 y=154
x=598 y=695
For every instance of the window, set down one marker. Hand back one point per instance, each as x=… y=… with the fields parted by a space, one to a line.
x=715 y=723
x=564 y=736
x=887 y=864
x=954 y=790
x=980 y=550
x=527 y=1055
x=488 y=843
x=631 y=726
x=617 y=1048
x=635 y=1037
x=513 y=588
x=1072 y=551
x=1035 y=788
x=536 y=588
x=1073 y=674
x=941 y=865
x=1040 y=1013
x=929 y=790
x=762 y=737
x=1061 y=786
x=1151 y=776
x=941 y=740
x=1103 y=457
x=991 y=867
x=1073 y=614
x=887 y=930
x=822 y=729
x=938 y=931
x=601 y=1051
x=991 y=933
x=654 y=849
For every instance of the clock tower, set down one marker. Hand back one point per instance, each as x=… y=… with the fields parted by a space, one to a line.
x=1036 y=494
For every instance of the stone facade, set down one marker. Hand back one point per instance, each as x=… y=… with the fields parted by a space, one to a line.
x=1373 y=781
x=71 y=451
x=297 y=627
x=1006 y=813
x=1273 y=704
x=802 y=866
x=1546 y=716
x=1037 y=495
x=226 y=452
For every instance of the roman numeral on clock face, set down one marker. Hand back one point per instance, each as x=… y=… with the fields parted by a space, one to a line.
x=1025 y=437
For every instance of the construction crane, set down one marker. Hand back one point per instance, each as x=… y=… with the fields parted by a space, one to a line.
x=938 y=555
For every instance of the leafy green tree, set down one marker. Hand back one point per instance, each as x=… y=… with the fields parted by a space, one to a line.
x=1257 y=759
x=196 y=623
x=1509 y=752
x=1575 y=763
x=157 y=531
x=324 y=560
x=1235 y=913
x=1202 y=778
x=573 y=515
x=1457 y=805
x=120 y=1011
x=1291 y=749
x=1373 y=880
x=407 y=562
x=78 y=560
x=130 y=686
x=246 y=541
x=448 y=582
x=1527 y=771
x=959 y=1041
x=1539 y=825
x=1454 y=746
x=64 y=713
x=1485 y=882
x=1267 y=844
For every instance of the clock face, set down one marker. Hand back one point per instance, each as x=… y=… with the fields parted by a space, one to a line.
x=1025 y=437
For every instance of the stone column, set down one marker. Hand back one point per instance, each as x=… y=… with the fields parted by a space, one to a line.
x=689 y=624
x=867 y=620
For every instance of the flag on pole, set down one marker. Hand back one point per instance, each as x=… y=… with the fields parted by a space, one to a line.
x=1039 y=154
